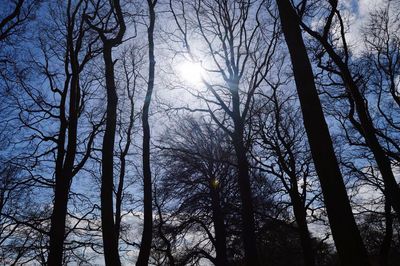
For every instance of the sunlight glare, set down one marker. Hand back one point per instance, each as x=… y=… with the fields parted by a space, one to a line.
x=191 y=72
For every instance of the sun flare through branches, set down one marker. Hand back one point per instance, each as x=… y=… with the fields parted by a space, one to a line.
x=191 y=72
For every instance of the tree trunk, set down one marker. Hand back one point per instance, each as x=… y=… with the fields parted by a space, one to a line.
x=57 y=229
x=118 y=197
x=110 y=244
x=345 y=233
x=64 y=166
x=57 y=222
x=145 y=245
x=219 y=226
x=305 y=238
x=248 y=223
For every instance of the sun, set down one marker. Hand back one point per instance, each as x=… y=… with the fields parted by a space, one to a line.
x=190 y=72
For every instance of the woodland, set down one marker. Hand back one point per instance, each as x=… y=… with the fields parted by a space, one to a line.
x=200 y=132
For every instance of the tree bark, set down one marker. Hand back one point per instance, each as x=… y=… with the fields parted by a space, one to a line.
x=248 y=223
x=145 y=245
x=305 y=238
x=57 y=228
x=345 y=233
x=219 y=226
x=65 y=160
x=110 y=244
x=110 y=239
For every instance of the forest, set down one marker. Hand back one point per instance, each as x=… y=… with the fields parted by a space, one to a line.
x=200 y=132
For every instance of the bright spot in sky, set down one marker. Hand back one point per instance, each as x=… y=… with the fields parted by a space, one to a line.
x=190 y=72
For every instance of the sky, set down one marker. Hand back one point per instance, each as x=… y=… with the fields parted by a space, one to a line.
x=359 y=11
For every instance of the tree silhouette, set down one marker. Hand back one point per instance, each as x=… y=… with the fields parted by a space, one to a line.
x=351 y=252
x=205 y=132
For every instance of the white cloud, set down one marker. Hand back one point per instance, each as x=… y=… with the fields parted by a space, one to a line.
x=359 y=11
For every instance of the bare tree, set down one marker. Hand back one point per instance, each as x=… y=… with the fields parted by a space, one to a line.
x=79 y=50
x=51 y=145
x=346 y=235
x=113 y=21
x=237 y=179
x=145 y=245
x=238 y=52
x=198 y=162
x=286 y=155
x=338 y=51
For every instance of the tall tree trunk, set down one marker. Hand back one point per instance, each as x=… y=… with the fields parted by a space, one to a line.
x=248 y=223
x=57 y=228
x=57 y=222
x=145 y=245
x=110 y=239
x=65 y=164
x=118 y=197
x=305 y=238
x=110 y=244
x=345 y=233
x=219 y=225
